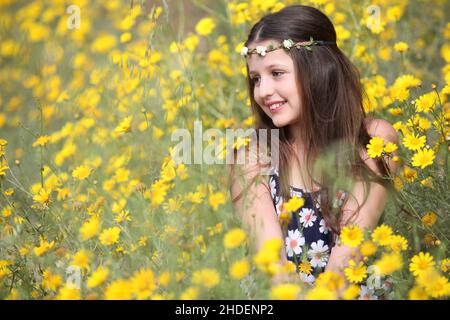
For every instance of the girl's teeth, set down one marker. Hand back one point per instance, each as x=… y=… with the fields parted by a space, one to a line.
x=274 y=106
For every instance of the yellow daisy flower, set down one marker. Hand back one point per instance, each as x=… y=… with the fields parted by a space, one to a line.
x=423 y=158
x=420 y=263
x=352 y=236
x=375 y=147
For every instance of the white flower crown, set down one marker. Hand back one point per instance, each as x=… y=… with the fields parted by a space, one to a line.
x=286 y=44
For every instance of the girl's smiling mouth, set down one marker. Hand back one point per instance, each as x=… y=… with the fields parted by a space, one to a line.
x=275 y=106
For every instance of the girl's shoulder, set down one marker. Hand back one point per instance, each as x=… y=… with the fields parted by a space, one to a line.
x=381 y=128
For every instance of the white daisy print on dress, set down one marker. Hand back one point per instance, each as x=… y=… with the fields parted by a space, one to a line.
x=294 y=242
x=307 y=217
x=323 y=227
x=278 y=207
x=318 y=254
x=273 y=186
x=295 y=193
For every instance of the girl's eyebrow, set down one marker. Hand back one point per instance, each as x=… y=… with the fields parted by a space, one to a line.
x=269 y=67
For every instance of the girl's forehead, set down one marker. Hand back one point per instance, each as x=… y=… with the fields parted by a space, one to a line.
x=263 y=43
x=277 y=57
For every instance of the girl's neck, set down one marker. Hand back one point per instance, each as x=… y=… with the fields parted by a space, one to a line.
x=295 y=133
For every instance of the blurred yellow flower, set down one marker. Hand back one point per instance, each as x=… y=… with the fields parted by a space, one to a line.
x=427 y=182
x=429 y=219
x=124 y=126
x=216 y=199
x=417 y=293
x=401 y=47
x=382 y=235
x=157 y=133
x=3 y=169
x=321 y=293
x=409 y=174
x=38 y=32
x=90 y=228
x=390 y=147
x=119 y=290
x=42 y=141
x=143 y=283
x=191 y=42
x=4 y=270
x=205 y=26
x=426 y=102
x=103 y=43
x=191 y=293
x=239 y=269
x=122 y=175
x=293 y=204
x=81 y=259
x=424 y=124
x=286 y=291
x=407 y=81
x=268 y=254
x=206 y=277
x=331 y=280
x=97 y=277
x=110 y=236
x=394 y=13
x=234 y=238
x=122 y=216
x=43 y=247
x=7 y=211
x=9 y=48
x=68 y=293
x=51 y=281
x=355 y=273
x=43 y=196
x=389 y=263
x=82 y=172
x=352 y=292
x=125 y=37
x=164 y=279
x=435 y=285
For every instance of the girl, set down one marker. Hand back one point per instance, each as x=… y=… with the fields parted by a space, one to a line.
x=301 y=83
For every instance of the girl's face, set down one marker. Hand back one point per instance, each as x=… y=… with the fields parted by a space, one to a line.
x=275 y=84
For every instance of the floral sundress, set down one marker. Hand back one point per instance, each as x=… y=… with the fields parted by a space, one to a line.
x=308 y=238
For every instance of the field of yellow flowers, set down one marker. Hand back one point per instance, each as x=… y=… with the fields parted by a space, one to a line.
x=92 y=205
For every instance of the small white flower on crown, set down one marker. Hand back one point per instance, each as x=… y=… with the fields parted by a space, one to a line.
x=244 y=51
x=261 y=50
x=288 y=43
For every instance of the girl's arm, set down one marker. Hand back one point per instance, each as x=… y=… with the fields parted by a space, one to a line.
x=255 y=207
x=371 y=211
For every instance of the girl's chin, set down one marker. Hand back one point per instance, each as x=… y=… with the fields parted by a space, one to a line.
x=279 y=123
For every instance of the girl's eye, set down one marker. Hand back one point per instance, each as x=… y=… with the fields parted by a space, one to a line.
x=277 y=73
x=255 y=80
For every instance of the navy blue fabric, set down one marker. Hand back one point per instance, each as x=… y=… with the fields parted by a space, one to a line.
x=307 y=238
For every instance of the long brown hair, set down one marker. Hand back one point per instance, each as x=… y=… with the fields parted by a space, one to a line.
x=332 y=118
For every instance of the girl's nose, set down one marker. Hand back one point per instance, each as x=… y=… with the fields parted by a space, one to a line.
x=266 y=87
